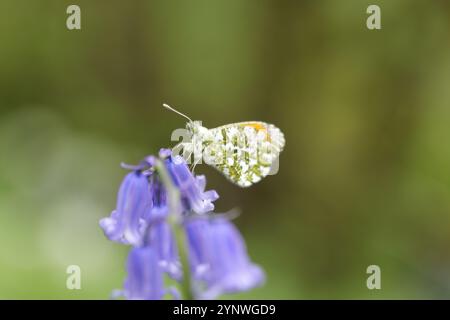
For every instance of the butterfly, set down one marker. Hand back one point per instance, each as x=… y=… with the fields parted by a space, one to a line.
x=244 y=152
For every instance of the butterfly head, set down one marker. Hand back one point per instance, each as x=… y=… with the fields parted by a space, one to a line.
x=196 y=128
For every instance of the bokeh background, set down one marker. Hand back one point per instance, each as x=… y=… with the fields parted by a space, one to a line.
x=364 y=178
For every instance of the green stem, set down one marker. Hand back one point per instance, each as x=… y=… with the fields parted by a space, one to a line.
x=181 y=243
x=175 y=222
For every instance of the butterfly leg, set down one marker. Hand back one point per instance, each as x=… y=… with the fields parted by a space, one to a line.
x=195 y=164
x=181 y=149
x=188 y=158
x=175 y=150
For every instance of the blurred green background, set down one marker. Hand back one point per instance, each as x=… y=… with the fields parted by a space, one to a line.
x=364 y=178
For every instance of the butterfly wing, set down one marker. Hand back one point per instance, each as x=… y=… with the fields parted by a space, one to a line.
x=244 y=152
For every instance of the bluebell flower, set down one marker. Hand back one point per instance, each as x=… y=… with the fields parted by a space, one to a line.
x=142 y=198
x=217 y=254
x=127 y=223
x=145 y=277
x=192 y=189
x=161 y=238
x=218 y=258
x=159 y=206
x=141 y=213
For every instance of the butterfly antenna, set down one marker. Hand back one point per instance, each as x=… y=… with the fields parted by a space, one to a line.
x=176 y=111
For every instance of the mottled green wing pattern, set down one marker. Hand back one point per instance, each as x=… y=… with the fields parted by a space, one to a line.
x=244 y=152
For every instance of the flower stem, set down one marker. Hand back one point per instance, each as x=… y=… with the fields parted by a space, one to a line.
x=175 y=221
x=181 y=243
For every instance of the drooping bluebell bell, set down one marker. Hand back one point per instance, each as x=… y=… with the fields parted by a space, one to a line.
x=218 y=258
x=192 y=189
x=217 y=254
x=126 y=223
x=144 y=276
x=160 y=237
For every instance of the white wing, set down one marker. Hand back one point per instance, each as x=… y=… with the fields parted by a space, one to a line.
x=244 y=152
